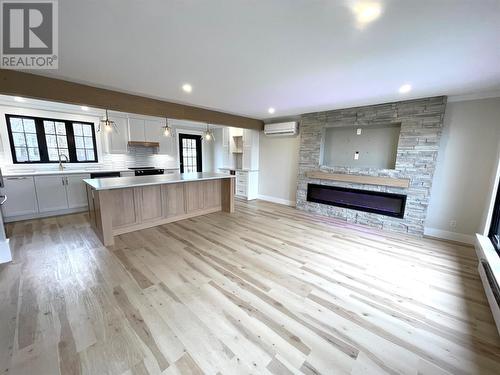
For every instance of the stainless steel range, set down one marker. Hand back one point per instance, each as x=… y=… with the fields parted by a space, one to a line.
x=147 y=171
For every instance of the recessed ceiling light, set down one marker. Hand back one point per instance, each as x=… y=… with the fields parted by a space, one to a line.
x=271 y=110
x=406 y=88
x=19 y=99
x=187 y=87
x=366 y=11
x=84 y=108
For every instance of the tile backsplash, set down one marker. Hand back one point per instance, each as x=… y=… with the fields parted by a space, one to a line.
x=136 y=157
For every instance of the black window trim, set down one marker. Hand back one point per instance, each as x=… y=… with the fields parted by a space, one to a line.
x=495 y=221
x=42 y=143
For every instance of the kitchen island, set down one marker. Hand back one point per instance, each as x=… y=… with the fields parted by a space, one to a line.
x=125 y=204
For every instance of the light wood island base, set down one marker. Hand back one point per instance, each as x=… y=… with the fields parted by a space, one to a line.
x=116 y=211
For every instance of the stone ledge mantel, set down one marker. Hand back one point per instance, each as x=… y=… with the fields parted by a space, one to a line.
x=369 y=180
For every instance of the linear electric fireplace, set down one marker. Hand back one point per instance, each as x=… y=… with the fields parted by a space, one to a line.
x=388 y=204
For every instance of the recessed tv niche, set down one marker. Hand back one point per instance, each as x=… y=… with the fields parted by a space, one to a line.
x=373 y=146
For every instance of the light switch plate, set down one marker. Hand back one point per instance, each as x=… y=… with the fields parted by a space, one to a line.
x=358 y=131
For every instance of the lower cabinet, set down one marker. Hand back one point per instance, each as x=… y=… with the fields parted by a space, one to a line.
x=51 y=193
x=21 y=197
x=247 y=184
x=150 y=202
x=76 y=190
x=140 y=206
x=32 y=196
x=173 y=200
x=57 y=193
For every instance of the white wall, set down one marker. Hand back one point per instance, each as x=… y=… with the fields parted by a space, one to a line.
x=466 y=165
x=278 y=167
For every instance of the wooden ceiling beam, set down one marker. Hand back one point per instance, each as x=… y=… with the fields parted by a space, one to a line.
x=33 y=86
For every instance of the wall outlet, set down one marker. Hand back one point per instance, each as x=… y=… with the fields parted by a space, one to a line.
x=453 y=224
x=358 y=131
x=356 y=155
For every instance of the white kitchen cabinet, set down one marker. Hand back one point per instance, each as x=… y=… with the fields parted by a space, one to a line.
x=117 y=139
x=227 y=157
x=76 y=191
x=154 y=133
x=250 y=150
x=51 y=193
x=21 y=196
x=247 y=184
x=137 y=129
x=153 y=130
x=225 y=136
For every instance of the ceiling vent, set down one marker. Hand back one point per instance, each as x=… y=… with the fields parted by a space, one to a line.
x=282 y=128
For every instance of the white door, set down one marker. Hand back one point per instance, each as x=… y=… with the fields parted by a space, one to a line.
x=76 y=191
x=136 y=128
x=21 y=196
x=51 y=193
x=117 y=139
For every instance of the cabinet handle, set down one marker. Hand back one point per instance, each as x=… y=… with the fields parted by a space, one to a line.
x=62 y=180
x=17 y=178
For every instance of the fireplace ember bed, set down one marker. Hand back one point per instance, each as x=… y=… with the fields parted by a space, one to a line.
x=377 y=202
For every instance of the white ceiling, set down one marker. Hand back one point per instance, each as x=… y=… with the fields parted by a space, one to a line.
x=294 y=55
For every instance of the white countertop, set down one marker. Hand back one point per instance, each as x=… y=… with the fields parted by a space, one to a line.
x=128 y=182
x=69 y=171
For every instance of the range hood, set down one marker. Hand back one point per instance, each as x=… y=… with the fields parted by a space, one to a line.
x=143 y=144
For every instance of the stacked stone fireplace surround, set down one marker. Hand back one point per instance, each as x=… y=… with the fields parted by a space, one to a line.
x=421 y=125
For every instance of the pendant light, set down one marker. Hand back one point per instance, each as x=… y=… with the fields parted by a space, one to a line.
x=167 y=130
x=107 y=124
x=208 y=135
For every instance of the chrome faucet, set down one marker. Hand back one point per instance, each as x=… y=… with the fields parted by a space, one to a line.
x=61 y=166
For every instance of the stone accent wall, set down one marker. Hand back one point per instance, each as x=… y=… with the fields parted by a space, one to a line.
x=421 y=124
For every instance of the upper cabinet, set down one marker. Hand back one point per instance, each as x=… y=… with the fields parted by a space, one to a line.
x=136 y=128
x=240 y=149
x=250 y=149
x=117 y=139
x=154 y=133
x=227 y=159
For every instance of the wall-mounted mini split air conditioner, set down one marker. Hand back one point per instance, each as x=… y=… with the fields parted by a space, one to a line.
x=281 y=128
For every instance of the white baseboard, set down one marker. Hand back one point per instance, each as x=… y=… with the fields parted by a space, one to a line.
x=451 y=236
x=276 y=200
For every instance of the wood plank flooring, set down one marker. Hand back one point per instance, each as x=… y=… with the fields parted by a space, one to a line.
x=266 y=290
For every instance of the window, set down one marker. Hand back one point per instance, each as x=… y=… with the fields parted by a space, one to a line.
x=24 y=140
x=84 y=141
x=42 y=140
x=495 y=222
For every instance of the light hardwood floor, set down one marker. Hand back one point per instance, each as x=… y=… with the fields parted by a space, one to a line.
x=266 y=290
